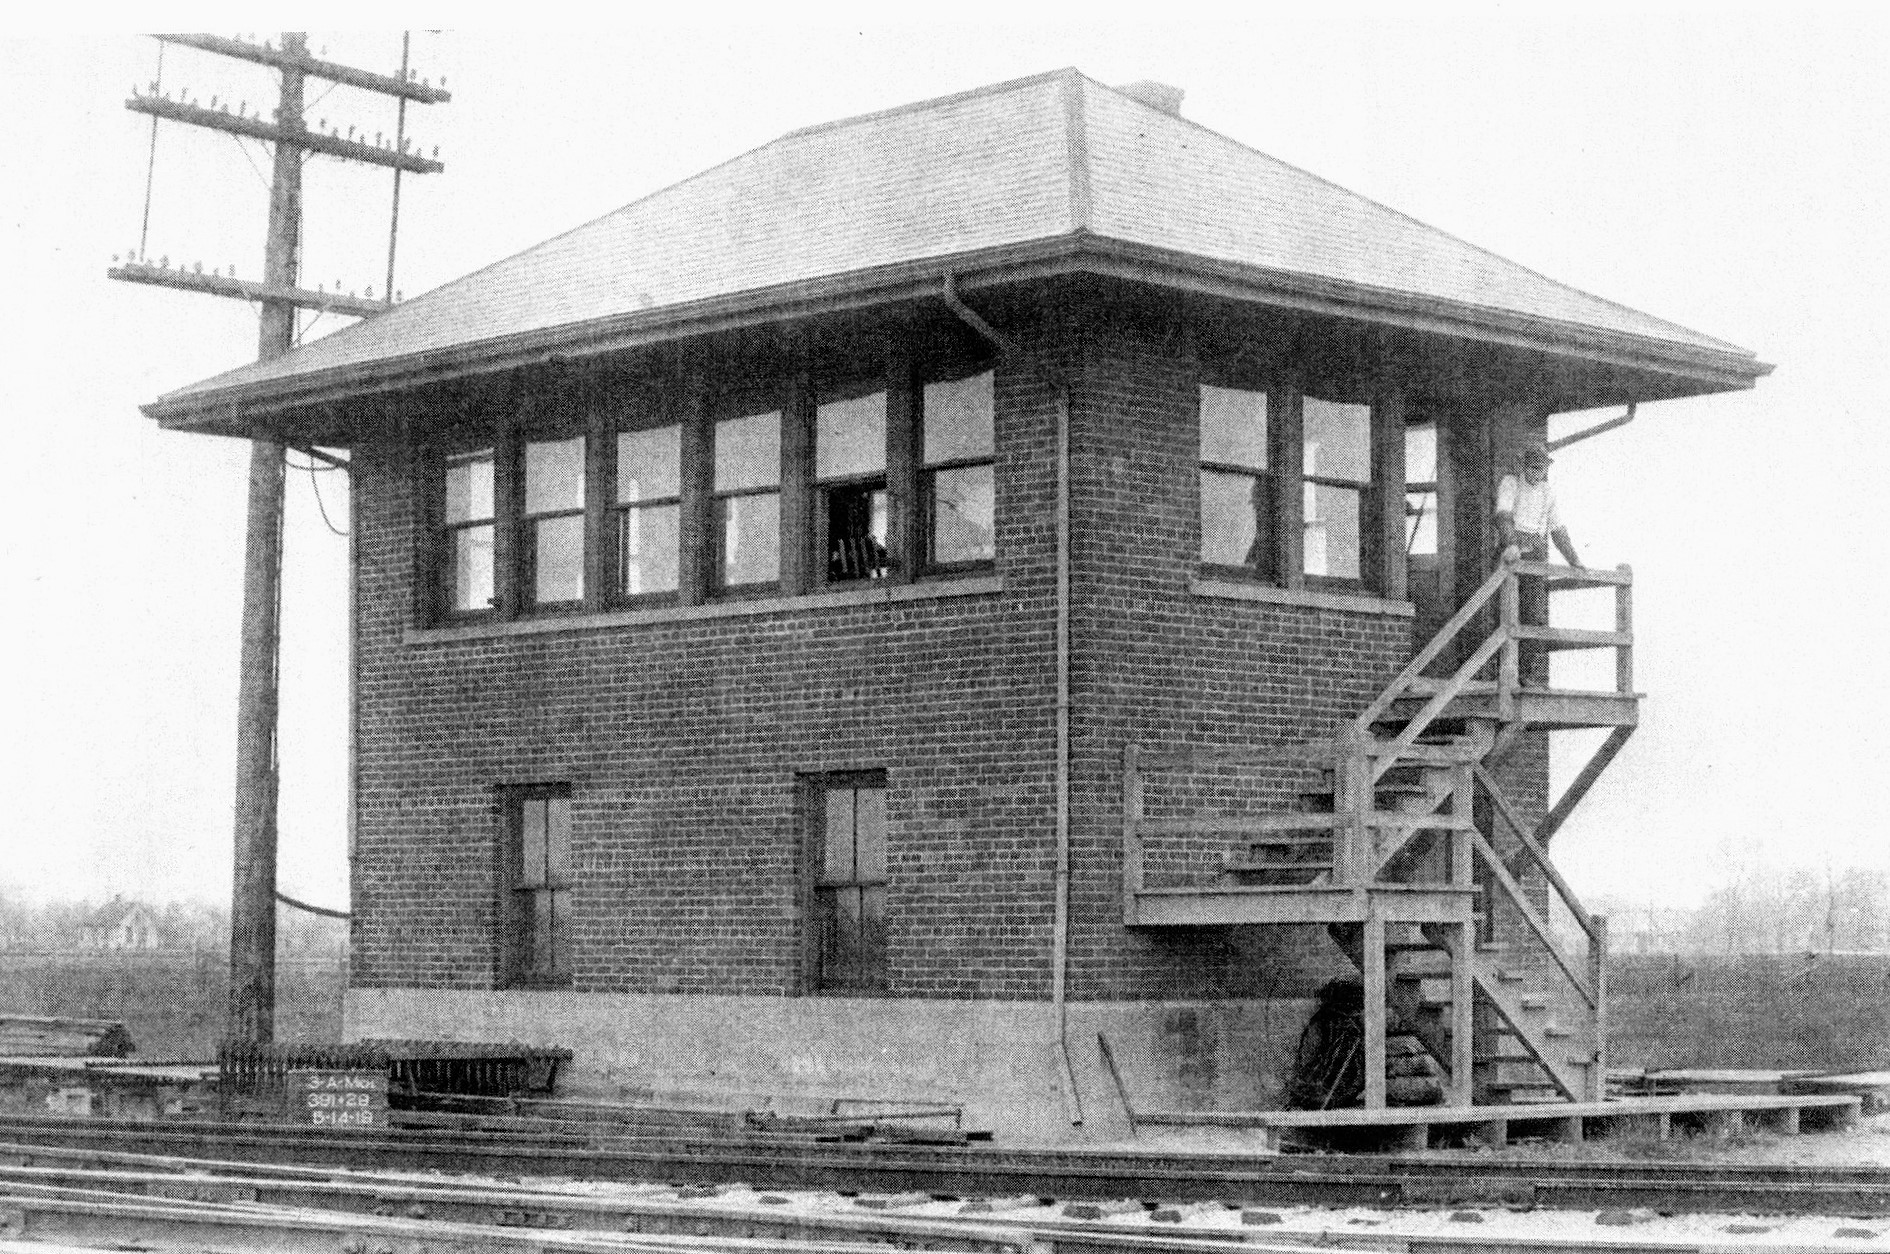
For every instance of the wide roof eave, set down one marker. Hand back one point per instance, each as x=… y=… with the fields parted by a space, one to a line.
x=233 y=408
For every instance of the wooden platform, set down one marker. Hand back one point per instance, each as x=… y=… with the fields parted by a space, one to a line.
x=1418 y=1127
x=1221 y=904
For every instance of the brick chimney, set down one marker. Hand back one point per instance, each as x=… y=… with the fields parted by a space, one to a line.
x=1155 y=95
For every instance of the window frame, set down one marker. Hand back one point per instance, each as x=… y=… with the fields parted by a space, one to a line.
x=439 y=580
x=814 y=788
x=617 y=512
x=1382 y=570
x=820 y=489
x=734 y=409
x=1268 y=478
x=926 y=473
x=524 y=522
x=690 y=396
x=517 y=947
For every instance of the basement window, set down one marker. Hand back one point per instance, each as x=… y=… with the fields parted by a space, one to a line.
x=536 y=881
x=846 y=843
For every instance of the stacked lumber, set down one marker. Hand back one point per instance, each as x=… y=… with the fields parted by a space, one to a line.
x=34 y=1036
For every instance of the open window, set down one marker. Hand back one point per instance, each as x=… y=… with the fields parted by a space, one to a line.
x=850 y=485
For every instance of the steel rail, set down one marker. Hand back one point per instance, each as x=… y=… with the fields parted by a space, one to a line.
x=83 y=1216
x=985 y=1172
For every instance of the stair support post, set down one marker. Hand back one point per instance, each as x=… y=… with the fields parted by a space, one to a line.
x=1597 y=1087
x=1509 y=678
x=1463 y=1028
x=1374 y=941
x=1624 y=623
x=1351 y=800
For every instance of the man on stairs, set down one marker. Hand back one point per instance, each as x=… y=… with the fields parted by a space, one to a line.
x=1526 y=521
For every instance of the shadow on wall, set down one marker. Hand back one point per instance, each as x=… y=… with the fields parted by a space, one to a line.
x=1813 y=1011
x=172 y=1002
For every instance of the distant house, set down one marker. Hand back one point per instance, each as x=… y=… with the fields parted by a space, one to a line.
x=121 y=924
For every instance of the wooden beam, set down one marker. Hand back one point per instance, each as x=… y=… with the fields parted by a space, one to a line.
x=1374 y=955
x=1509 y=816
x=1578 y=789
x=292 y=136
x=242 y=50
x=244 y=289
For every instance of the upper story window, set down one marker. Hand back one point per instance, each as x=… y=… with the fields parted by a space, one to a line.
x=648 y=511
x=958 y=480
x=1420 y=490
x=1336 y=451
x=683 y=493
x=1238 y=494
x=850 y=483
x=747 y=485
x=467 y=539
x=1292 y=488
x=554 y=520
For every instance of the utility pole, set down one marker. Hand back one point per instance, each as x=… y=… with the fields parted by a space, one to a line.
x=253 y=888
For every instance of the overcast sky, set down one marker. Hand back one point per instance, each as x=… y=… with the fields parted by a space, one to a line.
x=1725 y=171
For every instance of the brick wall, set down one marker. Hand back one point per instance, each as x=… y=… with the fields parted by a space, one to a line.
x=1155 y=664
x=682 y=740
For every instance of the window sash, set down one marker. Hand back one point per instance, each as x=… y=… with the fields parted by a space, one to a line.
x=847 y=910
x=538 y=840
x=960 y=526
x=649 y=549
x=747 y=557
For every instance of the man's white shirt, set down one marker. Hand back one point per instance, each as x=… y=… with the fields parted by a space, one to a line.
x=1531 y=505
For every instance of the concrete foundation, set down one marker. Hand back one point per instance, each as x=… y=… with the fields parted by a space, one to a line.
x=997 y=1059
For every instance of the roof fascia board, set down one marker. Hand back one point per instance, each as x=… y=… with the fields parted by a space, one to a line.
x=1077 y=253
x=1337 y=299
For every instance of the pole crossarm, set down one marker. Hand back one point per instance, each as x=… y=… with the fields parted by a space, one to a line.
x=295 y=137
x=246 y=289
x=367 y=80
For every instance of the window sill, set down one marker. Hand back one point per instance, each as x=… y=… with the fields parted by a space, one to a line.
x=1311 y=598
x=881 y=594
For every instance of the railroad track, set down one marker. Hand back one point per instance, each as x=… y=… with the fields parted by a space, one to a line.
x=313 y=1155
x=108 y=1200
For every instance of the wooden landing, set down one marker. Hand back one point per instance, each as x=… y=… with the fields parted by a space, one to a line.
x=1212 y=904
x=1559 y=709
x=1419 y=1127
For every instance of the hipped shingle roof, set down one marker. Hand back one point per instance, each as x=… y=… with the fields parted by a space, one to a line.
x=1055 y=164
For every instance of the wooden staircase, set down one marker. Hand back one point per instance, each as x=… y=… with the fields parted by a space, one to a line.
x=1400 y=839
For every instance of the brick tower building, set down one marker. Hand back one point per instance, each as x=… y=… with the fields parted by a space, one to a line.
x=957 y=585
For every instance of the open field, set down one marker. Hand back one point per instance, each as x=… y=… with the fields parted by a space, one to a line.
x=172 y=1001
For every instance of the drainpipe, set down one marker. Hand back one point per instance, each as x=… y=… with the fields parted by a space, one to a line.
x=1060 y=922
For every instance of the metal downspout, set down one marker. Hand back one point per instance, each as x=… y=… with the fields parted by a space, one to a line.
x=1060 y=923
